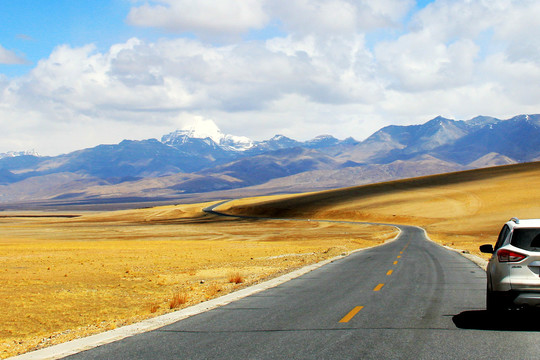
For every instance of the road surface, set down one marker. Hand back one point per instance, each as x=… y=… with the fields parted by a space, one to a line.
x=407 y=299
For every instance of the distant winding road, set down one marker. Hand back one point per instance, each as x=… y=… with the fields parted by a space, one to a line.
x=406 y=299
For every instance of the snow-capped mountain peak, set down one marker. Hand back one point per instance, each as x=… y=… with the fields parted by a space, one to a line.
x=202 y=129
x=207 y=129
x=19 y=153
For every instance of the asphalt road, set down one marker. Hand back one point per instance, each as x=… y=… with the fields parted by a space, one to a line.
x=407 y=299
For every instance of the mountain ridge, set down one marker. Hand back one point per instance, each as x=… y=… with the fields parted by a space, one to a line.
x=195 y=160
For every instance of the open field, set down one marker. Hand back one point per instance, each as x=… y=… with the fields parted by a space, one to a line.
x=64 y=277
x=461 y=210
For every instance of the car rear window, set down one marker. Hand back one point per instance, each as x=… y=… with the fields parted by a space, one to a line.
x=526 y=239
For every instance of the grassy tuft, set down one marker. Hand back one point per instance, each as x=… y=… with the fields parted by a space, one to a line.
x=178 y=299
x=236 y=278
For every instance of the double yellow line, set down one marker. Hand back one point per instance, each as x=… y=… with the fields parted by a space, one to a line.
x=357 y=309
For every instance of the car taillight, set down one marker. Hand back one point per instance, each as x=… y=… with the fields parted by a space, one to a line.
x=505 y=255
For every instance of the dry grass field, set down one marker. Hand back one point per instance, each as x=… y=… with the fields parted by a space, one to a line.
x=63 y=278
x=461 y=210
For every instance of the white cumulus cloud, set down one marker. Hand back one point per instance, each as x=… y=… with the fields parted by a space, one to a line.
x=333 y=17
x=208 y=18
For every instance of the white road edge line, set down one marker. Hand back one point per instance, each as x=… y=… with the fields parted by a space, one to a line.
x=89 y=342
x=475 y=259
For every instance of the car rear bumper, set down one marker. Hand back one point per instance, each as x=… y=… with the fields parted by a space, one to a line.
x=513 y=299
x=528 y=299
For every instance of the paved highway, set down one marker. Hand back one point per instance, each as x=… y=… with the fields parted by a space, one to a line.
x=407 y=299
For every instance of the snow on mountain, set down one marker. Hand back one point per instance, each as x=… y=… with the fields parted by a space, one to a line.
x=321 y=141
x=207 y=129
x=18 y=153
x=238 y=143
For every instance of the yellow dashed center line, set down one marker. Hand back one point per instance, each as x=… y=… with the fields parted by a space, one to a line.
x=351 y=314
x=357 y=309
x=378 y=287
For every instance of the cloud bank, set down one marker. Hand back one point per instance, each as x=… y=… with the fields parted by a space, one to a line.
x=341 y=67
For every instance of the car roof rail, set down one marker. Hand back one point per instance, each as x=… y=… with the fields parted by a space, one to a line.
x=515 y=219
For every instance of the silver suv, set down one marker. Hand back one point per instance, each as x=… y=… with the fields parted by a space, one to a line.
x=513 y=272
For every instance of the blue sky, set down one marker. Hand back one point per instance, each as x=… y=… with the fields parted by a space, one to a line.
x=33 y=28
x=76 y=74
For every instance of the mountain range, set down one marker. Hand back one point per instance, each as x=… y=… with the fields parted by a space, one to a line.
x=201 y=162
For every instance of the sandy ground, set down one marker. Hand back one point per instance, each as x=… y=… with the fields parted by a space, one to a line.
x=64 y=278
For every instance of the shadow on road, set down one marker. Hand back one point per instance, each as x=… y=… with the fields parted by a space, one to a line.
x=517 y=320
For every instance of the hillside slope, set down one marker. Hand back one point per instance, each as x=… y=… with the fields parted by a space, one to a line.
x=462 y=209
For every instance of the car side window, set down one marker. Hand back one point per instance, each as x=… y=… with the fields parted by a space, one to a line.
x=502 y=235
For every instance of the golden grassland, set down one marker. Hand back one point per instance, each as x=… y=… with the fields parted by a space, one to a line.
x=461 y=210
x=63 y=278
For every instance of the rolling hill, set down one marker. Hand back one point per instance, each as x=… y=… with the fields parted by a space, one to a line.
x=462 y=209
